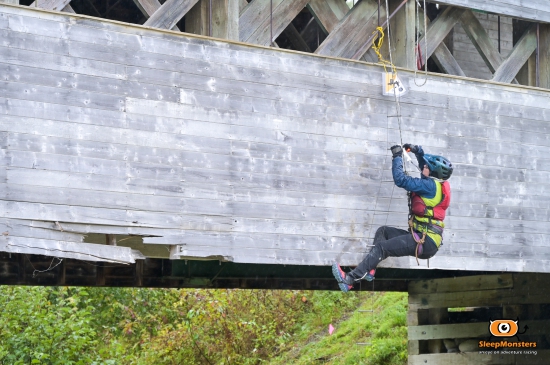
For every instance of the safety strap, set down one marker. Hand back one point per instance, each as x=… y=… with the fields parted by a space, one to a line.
x=419 y=241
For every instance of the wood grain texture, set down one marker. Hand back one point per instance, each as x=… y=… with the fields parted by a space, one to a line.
x=538 y=10
x=55 y=5
x=264 y=23
x=169 y=13
x=523 y=49
x=235 y=152
x=439 y=29
x=327 y=13
x=352 y=31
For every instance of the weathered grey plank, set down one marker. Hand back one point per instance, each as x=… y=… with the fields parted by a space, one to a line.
x=403 y=36
x=57 y=95
x=111 y=217
x=149 y=7
x=345 y=40
x=169 y=13
x=481 y=40
x=62 y=63
x=544 y=56
x=517 y=58
x=23 y=228
x=55 y=5
x=79 y=251
x=194 y=175
x=288 y=257
x=122 y=143
x=439 y=29
x=283 y=14
x=252 y=15
x=225 y=19
x=83 y=82
x=533 y=10
x=328 y=13
x=178 y=158
x=187 y=206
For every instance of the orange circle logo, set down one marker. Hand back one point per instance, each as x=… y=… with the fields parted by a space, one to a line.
x=503 y=328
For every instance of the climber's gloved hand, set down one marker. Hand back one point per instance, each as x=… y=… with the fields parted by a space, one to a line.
x=396 y=151
x=410 y=147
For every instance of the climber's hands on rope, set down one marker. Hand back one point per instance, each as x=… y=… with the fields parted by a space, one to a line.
x=396 y=151
x=410 y=147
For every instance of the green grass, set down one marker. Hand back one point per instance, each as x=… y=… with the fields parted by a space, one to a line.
x=385 y=330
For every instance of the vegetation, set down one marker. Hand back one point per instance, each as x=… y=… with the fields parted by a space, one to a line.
x=71 y=325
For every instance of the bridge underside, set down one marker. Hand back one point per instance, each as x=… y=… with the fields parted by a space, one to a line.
x=22 y=269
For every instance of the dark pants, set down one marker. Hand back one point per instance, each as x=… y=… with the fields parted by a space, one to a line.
x=395 y=242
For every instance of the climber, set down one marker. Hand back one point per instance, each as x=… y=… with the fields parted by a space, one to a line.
x=429 y=197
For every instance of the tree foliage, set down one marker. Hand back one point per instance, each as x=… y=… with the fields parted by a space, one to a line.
x=71 y=325
x=68 y=325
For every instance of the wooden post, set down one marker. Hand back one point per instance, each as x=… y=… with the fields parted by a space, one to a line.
x=61 y=273
x=110 y=239
x=437 y=316
x=138 y=273
x=21 y=269
x=224 y=16
x=100 y=274
x=527 y=74
x=544 y=56
x=403 y=32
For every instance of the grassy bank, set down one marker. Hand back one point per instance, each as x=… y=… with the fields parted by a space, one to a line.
x=384 y=330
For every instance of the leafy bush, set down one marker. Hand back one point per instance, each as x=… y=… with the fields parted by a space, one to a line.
x=46 y=326
x=60 y=325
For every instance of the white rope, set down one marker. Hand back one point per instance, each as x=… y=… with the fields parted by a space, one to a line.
x=416 y=47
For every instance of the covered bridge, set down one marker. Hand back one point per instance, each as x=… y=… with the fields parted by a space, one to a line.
x=221 y=143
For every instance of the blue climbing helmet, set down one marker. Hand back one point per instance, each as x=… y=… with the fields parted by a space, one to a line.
x=439 y=166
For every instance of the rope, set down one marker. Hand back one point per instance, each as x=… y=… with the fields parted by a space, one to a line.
x=417 y=50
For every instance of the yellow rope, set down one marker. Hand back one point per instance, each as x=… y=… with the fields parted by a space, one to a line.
x=377 y=47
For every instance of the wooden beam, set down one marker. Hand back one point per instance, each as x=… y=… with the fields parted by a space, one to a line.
x=439 y=29
x=225 y=19
x=328 y=13
x=544 y=56
x=413 y=321
x=468 y=283
x=169 y=13
x=352 y=31
x=296 y=39
x=68 y=9
x=403 y=33
x=257 y=22
x=55 y=5
x=533 y=10
x=196 y=21
x=149 y=7
x=437 y=316
x=62 y=273
x=466 y=358
x=480 y=39
x=527 y=75
x=517 y=58
x=443 y=58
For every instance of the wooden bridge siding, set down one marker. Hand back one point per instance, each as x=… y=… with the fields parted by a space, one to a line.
x=534 y=10
x=266 y=156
